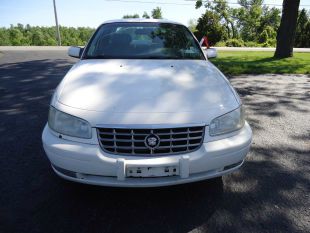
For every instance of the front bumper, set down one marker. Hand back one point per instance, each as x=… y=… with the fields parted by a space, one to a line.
x=87 y=163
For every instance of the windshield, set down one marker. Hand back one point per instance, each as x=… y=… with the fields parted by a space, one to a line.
x=143 y=41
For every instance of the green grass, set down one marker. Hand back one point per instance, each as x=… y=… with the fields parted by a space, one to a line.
x=262 y=62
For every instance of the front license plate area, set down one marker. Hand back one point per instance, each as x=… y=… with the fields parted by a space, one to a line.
x=152 y=171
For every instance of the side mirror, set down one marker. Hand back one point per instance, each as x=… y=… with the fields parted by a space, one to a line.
x=74 y=51
x=210 y=53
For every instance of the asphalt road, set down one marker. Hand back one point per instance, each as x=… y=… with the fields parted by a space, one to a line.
x=270 y=193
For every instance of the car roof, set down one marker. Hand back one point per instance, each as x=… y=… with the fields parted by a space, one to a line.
x=139 y=20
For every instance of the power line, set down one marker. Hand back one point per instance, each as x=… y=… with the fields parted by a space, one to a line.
x=152 y=2
x=236 y=3
x=188 y=4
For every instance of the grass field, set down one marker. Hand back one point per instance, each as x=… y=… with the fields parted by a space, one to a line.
x=254 y=62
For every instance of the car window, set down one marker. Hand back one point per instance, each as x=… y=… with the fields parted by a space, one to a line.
x=143 y=41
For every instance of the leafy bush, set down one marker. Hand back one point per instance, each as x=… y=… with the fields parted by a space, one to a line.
x=267 y=34
x=269 y=43
x=251 y=44
x=220 y=44
x=241 y=43
x=234 y=43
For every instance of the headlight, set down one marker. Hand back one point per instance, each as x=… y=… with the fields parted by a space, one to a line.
x=227 y=123
x=69 y=125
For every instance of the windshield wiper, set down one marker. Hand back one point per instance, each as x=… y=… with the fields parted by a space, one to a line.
x=95 y=57
x=134 y=57
x=159 y=57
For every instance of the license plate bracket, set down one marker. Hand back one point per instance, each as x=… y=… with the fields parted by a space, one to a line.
x=143 y=172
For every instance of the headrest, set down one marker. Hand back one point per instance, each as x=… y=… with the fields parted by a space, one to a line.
x=121 y=39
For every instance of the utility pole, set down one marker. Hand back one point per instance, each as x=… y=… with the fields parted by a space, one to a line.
x=57 y=26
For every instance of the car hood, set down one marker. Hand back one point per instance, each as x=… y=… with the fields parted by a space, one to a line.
x=146 y=86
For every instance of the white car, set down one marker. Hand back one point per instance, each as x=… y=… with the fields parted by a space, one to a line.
x=144 y=107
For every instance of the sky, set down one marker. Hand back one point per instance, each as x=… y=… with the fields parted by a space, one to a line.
x=91 y=13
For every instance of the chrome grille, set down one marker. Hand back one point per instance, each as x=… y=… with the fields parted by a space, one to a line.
x=131 y=141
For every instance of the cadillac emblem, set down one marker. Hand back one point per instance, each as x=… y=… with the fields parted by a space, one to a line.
x=152 y=141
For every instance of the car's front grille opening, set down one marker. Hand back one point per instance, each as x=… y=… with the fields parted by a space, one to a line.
x=158 y=141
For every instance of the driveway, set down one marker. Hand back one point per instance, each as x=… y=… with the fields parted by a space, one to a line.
x=270 y=193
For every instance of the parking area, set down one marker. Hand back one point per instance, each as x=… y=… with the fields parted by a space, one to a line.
x=270 y=193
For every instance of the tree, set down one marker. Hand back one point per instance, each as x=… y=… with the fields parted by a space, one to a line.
x=287 y=29
x=145 y=15
x=28 y=35
x=307 y=36
x=209 y=24
x=38 y=37
x=5 y=37
x=270 y=17
x=302 y=38
x=131 y=16
x=256 y=24
x=221 y=8
x=192 y=24
x=156 y=13
x=251 y=22
x=16 y=36
x=249 y=18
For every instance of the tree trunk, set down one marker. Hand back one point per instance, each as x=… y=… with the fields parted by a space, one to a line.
x=233 y=29
x=287 y=29
x=228 y=30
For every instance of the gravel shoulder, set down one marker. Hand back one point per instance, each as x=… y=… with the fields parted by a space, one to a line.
x=270 y=193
